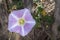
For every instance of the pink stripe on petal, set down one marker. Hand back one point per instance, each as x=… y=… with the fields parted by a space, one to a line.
x=12 y=21
x=17 y=29
x=19 y=13
x=28 y=16
x=28 y=28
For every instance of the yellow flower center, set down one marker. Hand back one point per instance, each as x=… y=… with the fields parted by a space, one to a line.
x=21 y=21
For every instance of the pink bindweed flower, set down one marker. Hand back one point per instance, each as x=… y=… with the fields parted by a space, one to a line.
x=21 y=21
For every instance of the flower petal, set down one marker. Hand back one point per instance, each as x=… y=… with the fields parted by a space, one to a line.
x=19 y=13
x=27 y=28
x=16 y=29
x=28 y=16
x=12 y=21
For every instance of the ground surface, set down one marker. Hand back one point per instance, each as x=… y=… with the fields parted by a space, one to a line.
x=35 y=34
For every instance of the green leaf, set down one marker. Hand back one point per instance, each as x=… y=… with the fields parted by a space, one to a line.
x=40 y=9
x=49 y=19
